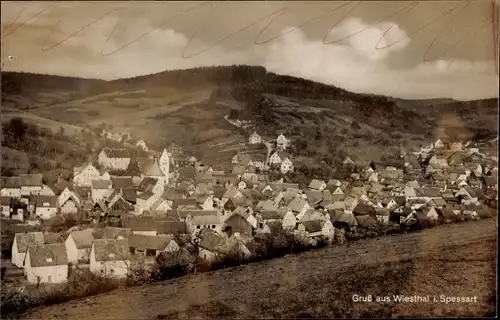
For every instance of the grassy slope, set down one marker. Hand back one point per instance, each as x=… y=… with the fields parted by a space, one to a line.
x=455 y=260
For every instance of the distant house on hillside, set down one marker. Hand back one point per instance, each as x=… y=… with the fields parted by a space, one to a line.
x=142 y=145
x=254 y=138
x=282 y=142
x=114 y=159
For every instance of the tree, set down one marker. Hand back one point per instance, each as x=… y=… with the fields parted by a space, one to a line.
x=17 y=128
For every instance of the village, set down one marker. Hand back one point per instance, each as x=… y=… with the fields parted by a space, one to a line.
x=173 y=200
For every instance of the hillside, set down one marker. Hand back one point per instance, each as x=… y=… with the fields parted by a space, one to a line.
x=187 y=107
x=321 y=283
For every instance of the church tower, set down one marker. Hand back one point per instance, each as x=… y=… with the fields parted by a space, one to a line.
x=165 y=164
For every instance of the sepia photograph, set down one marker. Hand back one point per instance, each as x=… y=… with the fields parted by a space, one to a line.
x=249 y=159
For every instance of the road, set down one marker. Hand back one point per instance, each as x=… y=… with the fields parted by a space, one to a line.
x=287 y=276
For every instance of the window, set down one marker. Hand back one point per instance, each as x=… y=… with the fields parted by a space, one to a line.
x=213 y=226
x=198 y=227
x=49 y=278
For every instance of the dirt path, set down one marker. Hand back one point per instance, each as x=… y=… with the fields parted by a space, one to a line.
x=295 y=278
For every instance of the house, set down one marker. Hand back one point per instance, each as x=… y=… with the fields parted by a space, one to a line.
x=199 y=222
x=467 y=195
x=424 y=215
x=348 y=162
x=5 y=203
x=382 y=215
x=142 y=145
x=84 y=175
x=275 y=159
x=110 y=257
x=318 y=185
x=69 y=201
x=248 y=214
x=150 y=247
x=254 y=138
x=238 y=225
x=313 y=230
x=46 y=263
x=342 y=220
x=299 y=207
x=100 y=190
x=161 y=205
x=286 y=166
x=150 y=184
x=20 y=246
x=114 y=159
x=312 y=214
x=210 y=246
x=364 y=209
x=46 y=207
x=205 y=202
x=10 y=187
x=47 y=191
x=144 y=201
x=282 y=142
x=140 y=225
x=31 y=184
x=491 y=182
x=78 y=245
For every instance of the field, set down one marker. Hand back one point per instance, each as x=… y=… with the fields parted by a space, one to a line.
x=451 y=260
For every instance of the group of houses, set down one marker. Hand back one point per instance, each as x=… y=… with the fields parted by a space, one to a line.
x=225 y=209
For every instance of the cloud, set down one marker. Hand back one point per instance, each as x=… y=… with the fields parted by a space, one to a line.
x=357 y=65
x=353 y=63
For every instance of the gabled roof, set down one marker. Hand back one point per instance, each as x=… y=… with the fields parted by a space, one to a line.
x=153 y=169
x=116 y=153
x=10 y=182
x=313 y=226
x=47 y=201
x=139 y=223
x=428 y=192
x=297 y=204
x=363 y=209
x=114 y=232
x=23 y=240
x=205 y=220
x=101 y=184
x=143 y=242
x=122 y=183
x=211 y=241
x=171 y=227
x=83 y=239
x=31 y=180
x=46 y=255
x=111 y=250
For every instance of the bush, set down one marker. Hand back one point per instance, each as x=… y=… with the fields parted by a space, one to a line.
x=82 y=284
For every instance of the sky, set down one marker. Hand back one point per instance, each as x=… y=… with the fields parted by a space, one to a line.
x=404 y=49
